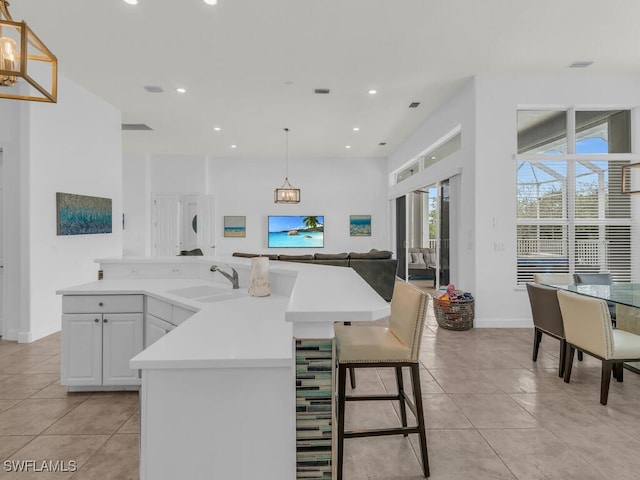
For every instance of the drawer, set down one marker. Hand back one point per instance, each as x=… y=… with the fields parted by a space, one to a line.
x=102 y=303
x=180 y=315
x=159 y=309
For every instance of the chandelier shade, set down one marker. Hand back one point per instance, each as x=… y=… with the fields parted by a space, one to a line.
x=28 y=69
x=286 y=193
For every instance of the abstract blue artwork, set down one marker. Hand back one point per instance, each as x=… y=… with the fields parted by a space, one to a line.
x=83 y=215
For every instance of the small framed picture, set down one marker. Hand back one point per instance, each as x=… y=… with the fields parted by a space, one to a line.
x=360 y=225
x=235 y=226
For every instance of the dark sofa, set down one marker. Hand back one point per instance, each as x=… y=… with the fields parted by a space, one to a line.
x=376 y=267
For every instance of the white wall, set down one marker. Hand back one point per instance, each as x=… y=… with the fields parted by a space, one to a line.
x=73 y=146
x=486 y=108
x=498 y=99
x=458 y=112
x=333 y=187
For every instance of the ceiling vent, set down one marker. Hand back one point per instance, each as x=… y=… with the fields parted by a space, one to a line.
x=154 y=89
x=136 y=127
x=321 y=91
x=414 y=104
x=382 y=144
x=584 y=64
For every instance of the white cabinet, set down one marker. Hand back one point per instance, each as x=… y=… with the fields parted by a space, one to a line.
x=156 y=328
x=162 y=317
x=100 y=334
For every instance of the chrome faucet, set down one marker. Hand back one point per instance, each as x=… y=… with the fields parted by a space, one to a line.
x=233 y=278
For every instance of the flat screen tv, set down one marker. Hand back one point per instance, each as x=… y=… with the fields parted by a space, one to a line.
x=296 y=232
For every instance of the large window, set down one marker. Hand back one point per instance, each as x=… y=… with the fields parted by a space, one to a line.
x=571 y=214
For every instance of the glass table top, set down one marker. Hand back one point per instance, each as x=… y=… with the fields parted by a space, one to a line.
x=623 y=293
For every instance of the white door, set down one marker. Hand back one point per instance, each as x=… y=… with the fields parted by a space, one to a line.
x=81 y=354
x=165 y=229
x=121 y=341
x=206 y=224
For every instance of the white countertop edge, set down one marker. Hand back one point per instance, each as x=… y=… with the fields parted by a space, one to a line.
x=212 y=363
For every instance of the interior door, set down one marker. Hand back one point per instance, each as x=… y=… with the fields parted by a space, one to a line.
x=165 y=231
x=206 y=224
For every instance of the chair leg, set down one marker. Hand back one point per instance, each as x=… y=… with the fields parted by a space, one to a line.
x=563 y=351
x=618 y=371
x=579 y=356
x=342 y=380
x=537 y=337
x=570 y=350
x=352 y=377
x=606 y=380
x=417 y=397
x=401 y=395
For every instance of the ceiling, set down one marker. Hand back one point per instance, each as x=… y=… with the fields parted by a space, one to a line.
x=251 y=66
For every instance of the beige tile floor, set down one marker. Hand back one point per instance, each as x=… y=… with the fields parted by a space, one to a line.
x=491 y=413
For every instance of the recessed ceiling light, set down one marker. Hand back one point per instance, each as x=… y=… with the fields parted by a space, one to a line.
x=372 y=92
x=217 y=129
x=347 y=146
x=211 y=2
x=356 y=129
x=131 y=2
x=434 y=157
x=382 y=144
x=414 y=104
x=234 y=146
x=181 y=90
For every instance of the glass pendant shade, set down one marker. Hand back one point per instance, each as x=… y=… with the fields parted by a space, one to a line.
x=28 y=69
x=286 y=193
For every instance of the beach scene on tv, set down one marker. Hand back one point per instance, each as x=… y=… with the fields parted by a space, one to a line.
x=292 y=231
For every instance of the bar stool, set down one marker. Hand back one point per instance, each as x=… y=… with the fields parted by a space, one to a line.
x=397 y=346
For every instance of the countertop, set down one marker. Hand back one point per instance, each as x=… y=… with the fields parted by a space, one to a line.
x=239 y=330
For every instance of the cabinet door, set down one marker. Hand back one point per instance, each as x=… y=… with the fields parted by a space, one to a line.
x=156 y=329
x=122 y=340
x=81 y=354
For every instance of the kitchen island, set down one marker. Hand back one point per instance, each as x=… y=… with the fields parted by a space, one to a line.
x=219 y=395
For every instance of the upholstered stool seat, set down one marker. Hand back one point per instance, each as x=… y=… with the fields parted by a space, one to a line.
x=395 y=346
x=369 y=344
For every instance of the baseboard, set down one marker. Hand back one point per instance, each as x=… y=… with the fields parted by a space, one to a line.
x=503 y=323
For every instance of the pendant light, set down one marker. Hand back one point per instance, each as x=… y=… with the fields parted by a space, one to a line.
x=286 y=193
x=24 y=57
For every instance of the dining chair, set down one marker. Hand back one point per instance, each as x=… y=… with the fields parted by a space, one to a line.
x=397 y=346
x=597 y=279
x=553 y=278
x=587 y=328
x=547 y=319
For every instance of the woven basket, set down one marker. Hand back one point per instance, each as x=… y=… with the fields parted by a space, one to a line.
x=454 y=315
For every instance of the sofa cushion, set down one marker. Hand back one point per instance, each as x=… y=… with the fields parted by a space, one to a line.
x=417 y=258
x=332 y=256
x=295 y=257
x=372 y=254
x=245 y=255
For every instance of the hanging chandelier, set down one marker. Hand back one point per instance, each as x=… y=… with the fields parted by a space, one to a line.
x=24 y=57
x=286 y=193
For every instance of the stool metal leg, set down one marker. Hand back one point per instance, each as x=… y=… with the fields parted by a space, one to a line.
x=401 y=398
x=417 y=394
x=342 y=380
